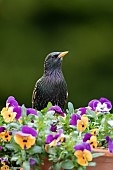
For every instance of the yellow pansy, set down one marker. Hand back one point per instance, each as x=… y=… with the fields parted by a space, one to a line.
x=8 y=114
x=82 y=124
x=93 y=141
x=5 y=167
x=5 y=136
x=83 y=157
x=94 y=132
x=25 y=142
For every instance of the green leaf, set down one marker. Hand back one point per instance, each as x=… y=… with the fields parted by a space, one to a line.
x=9 y=146
x=92 y=164
x=57 y=166
x=31 y=117
x=49 y=105
x=70 y=107
x=23 y=152
x=81 y=168
x=15 y=125
x=23 y=113
x=26 y=165
x=67 y=164
x=90 y=113
x=35 y=149
x=19 y=161
x=95 y=155
x=14 y=158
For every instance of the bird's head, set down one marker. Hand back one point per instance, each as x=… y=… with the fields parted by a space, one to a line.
x=53 y=61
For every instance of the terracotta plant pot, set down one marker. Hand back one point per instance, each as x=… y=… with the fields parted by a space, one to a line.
x=104 y=162
x=46 y=165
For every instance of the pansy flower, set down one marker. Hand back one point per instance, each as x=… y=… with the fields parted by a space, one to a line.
x=110 y=144
x=4 y=161
x=83 y=153
x=11 y=102
x=18 y=111
x=74 y=119
x=32 y=161
x=5 y=135
x=53 y=128
x=82 y=110
x=57 y=109
x=26 y=137
x=31 y=111
x=54 y=140
x=94 y=132
x=101 y=105
x=12 y=110
x=5 y=167
x=92 y=140
x=82 y=124
x=8 y=114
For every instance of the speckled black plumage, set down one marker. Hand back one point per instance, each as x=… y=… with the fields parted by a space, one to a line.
x=51 y=87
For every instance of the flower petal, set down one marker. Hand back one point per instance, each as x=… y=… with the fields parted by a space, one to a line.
x=93 y=104
x=87 y=137
x=88 y=155
x=53 y=128
x=29 y=130
x=82 y=110
x=18 y=110
x=32 y=161
x=11 y=101
x=79 y=147
x=74 y=118
x=49 y=139
x=25 y=142
x=2 y=129
x=57 y=109
x=31 y=111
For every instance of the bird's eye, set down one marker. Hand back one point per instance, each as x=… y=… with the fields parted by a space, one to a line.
x=55 y=56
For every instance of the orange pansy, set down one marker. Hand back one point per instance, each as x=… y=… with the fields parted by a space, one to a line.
x=8 y=114
x=82 y=124
x=5 y=167
x=83 y=157
x=5 y=136
x=93 y=141
x=25 y=142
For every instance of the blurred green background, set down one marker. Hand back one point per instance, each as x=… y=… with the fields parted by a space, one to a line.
x=30 y=29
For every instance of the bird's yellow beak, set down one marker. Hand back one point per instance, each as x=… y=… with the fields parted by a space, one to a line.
x=62 y=54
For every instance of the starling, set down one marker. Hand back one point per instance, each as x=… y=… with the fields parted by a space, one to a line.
x=51 y=87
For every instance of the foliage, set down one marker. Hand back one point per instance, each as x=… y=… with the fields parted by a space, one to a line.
x=67 y=139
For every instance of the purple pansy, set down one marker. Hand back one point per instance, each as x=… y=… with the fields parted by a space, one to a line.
x=57 y=135
x=74 y=118
x=110 y=144
x=29 y=130
x=2 y=129
x=101 y=105
x=11 y=101
x=0 y=148
x=51 y=137
x=82 y=146
x=82 y=110
x=3 y=160
x=87 y=136
x=53 y=128
x=57 y=109
x=18 y=110
x=31 y=111
x=32 y=161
